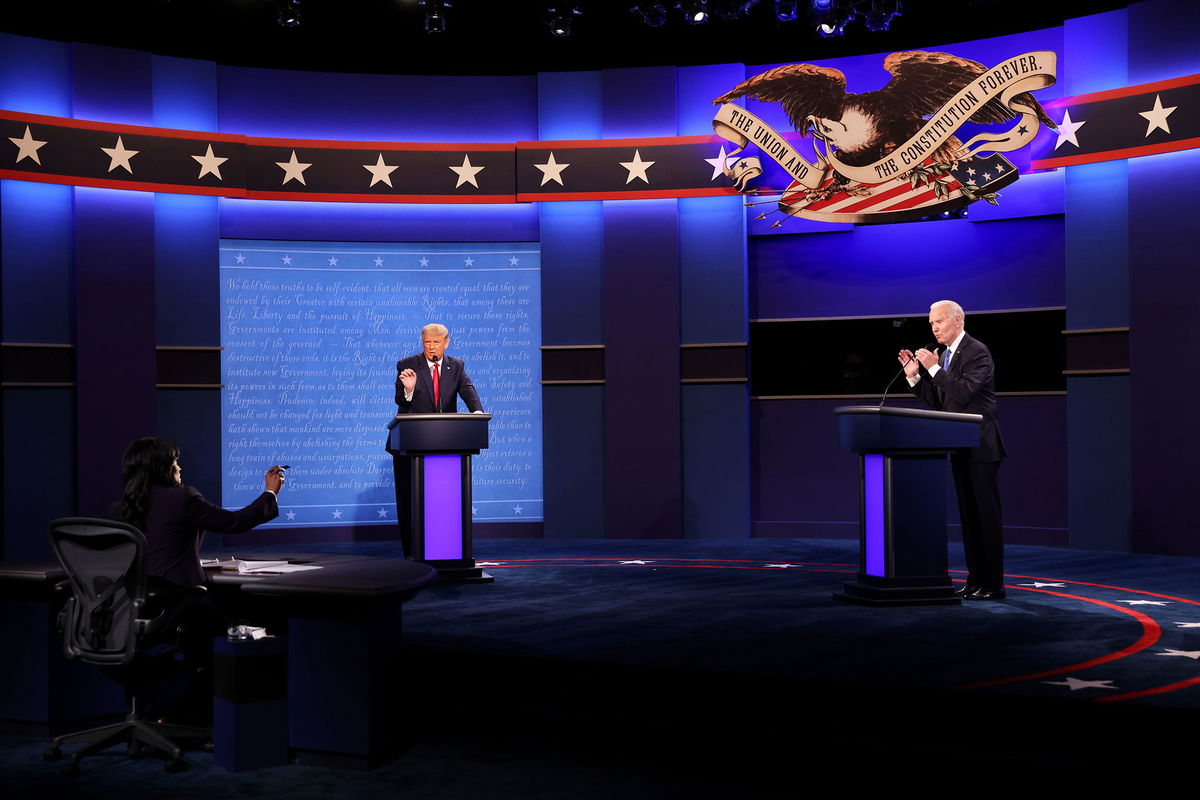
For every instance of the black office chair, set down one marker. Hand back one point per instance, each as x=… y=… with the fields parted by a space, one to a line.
x=111 y=618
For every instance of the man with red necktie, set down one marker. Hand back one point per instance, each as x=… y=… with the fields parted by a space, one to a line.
x=431 y=381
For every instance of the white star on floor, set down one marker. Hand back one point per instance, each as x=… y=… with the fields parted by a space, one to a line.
x=1156 y=118
x=466 y=173
x=382 y=513
x=1145 y=602
x=424 y=262
x=470 y=262
x=551 y=171
x=337 y=513
x=1188 y=624
x=1037 y=585
x=1077 y=684
x=489 y=563
x=119 y=156
x=637 y=562
x=239 y=258
x=782 y=566
x=333 y=261
x=1192 y=654
x=1066 y=130
x=512 y=262
x=637 y=168
x=718 y=164
x=381 y=172
x=27 y=147
x=378 y=261
x=287 y=260
x=293 y=169
x=210 y=164
x=517 y=509
x=291 y=515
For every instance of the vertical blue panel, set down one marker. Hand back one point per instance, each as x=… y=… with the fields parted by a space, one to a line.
x=1094 y=54
x=112 y=85
x=192 y=418
x=572 y=237
x=185 y=257
x=35 y=76
x=185 y=94
x=114 y=328
x=697 y=88
x=716 y=461
x=1099 y=502
x=639 y=102
x=443 y=507
x=712 y=269
x=37 y=254
x=1164 y=331
x=1097 y=245
x=642 y=475
x=39 y=442
x=569 y=105
x=573 y=432
x=874 y=516
x=1162 y=40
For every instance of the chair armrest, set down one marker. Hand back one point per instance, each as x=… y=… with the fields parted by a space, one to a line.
x=172 y=602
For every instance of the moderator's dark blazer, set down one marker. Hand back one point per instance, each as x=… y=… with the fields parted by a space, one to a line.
x=454 y=383
x=967 y=385
x=175 y=525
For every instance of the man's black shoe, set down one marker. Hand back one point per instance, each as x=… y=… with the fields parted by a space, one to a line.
x=966 y=589
x=985 y=594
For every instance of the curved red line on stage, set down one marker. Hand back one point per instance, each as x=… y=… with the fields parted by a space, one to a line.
x=1170 y=687
x=1103 y=586
x=1151 y=632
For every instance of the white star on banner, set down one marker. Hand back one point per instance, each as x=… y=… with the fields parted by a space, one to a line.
x=474 y=511
x=287 y=260
x=517 y=509
x=210 y=164
x=987 y=176
x=381 y=171
x=1037 y=585
x=382 y=513
x=718 y=164
x=119 y=156
x=333 y=261
x=512 y=262
x=466 y=173
x=291 y=515
x=239 y=258
x=337 y=513
x=998 y=167
x=1066 y=130
x=552 y=171
x=1156 y=118
x=378 y=261
x=637 y=168
x=1145 y=602
x=27 y=146
x=293 y=169
x=1192 y=654
x=424 y=262
x=1188 y=624
x=470 y=262
x=1077 y=684
x=782 y=566
x=971 y=171
x=637 y=562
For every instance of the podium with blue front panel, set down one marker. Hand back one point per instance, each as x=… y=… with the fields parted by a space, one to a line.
x=432 y=463
x=904 y=467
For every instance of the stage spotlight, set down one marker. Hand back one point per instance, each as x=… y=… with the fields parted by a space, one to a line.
x=821 y=6
x=559 y=20
x=831 y=26
x=695 y=11
x=287 y=13
x=786 y=10
x=435 y=15
x=654 y=15
x=733 y=9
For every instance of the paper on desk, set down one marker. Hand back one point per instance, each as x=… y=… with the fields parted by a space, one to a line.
x=284 y=568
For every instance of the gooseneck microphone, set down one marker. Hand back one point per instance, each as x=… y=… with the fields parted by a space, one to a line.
x=932 y=347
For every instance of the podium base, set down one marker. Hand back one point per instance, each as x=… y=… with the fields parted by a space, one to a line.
x=878 y=593
x=457 y=572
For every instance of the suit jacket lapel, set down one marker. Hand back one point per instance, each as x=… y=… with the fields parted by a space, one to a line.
x=425 y=379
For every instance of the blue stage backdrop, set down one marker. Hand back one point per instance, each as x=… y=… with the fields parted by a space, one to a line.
x=311 y=334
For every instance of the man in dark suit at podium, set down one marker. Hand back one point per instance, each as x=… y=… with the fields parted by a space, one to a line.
x=431 y=381
x=962 y=378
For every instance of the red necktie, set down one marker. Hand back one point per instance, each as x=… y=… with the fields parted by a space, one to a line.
x=437 y=386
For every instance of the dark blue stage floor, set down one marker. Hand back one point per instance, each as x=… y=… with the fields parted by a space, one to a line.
x=725 y=668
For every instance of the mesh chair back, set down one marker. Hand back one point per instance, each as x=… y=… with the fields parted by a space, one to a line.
x=106 y=564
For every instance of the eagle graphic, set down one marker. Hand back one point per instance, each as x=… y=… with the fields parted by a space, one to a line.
x=864 y=128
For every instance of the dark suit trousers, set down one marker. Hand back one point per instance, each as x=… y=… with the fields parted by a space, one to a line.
x=978 y=490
